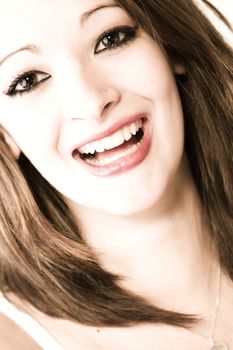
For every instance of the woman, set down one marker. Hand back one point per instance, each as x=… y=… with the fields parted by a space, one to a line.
x=116 y=175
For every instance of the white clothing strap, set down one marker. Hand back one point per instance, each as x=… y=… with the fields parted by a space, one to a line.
x=29 y=325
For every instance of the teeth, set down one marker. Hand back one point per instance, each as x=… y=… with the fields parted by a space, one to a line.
x=127 y=133
x=117 y=139
x=92 y=149
x=133 y=129
x=105 y=161
x=98 y=146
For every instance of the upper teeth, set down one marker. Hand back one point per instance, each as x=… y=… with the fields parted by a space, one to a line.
x=119 y=137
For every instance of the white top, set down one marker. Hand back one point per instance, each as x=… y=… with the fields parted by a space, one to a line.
x=29 y=325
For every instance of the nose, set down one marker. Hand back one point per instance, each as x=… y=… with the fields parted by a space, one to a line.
x=88 y=96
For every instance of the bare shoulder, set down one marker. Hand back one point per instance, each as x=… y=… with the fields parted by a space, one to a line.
x=14 y=337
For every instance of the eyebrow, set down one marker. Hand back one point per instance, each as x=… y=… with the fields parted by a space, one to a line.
x=31 y=48
x=85 y=16
x=36 y=50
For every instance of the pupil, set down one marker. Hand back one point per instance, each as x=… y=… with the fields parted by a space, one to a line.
x=110 y=39
x=28 y=81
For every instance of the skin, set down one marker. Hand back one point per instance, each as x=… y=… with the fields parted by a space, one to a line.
x=13 y=337
x=153 y=209
x=47 y=133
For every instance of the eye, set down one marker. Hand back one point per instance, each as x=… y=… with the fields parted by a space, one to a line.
x=115 y=37
x=26 y=82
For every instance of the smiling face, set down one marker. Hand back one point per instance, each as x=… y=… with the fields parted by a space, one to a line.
x=96 y=110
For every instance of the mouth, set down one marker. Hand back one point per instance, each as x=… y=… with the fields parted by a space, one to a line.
x=117 y=153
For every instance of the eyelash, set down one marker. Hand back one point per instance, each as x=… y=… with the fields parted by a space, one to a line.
x=129 y=35
x=129 y=32
x=12 y=88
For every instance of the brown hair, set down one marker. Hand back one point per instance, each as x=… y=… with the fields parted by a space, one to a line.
x=43 y=258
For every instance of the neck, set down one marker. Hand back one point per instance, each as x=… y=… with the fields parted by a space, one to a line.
x=158 y=252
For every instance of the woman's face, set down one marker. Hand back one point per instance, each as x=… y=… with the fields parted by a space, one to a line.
x=71 y=85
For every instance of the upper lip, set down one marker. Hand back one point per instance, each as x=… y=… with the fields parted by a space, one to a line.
x=109 y=131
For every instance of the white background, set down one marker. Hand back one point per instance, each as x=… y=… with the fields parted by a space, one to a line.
x=226 y=7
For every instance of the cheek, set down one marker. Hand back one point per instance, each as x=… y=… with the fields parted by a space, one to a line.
x=32 y=128
x=142 y=69
x=149 y=78
x=154 y=83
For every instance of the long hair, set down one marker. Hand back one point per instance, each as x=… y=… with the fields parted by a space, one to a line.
x=43 y=258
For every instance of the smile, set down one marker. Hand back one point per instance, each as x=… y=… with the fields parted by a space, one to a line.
x=117 y=153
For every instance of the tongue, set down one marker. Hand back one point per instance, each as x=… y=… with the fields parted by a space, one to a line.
x=111 y=152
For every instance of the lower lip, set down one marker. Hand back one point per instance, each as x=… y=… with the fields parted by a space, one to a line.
x=124 y=163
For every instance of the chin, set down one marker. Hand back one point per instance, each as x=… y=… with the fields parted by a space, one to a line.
x=139 y=203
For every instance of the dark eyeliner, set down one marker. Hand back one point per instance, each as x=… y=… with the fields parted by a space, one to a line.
x=11 y=90
x=130 y=34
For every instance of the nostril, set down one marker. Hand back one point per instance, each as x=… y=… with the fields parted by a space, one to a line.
x=108 y=105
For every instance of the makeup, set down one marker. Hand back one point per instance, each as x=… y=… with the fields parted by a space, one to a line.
x=121 y=151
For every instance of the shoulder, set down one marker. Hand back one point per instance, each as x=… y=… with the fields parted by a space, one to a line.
x=13 y=337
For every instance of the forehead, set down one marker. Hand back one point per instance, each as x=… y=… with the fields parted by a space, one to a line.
x=26 y=20
x=25 y=9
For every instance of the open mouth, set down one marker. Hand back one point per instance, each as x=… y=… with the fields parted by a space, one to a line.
x=109 y=149
x=118 y=152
